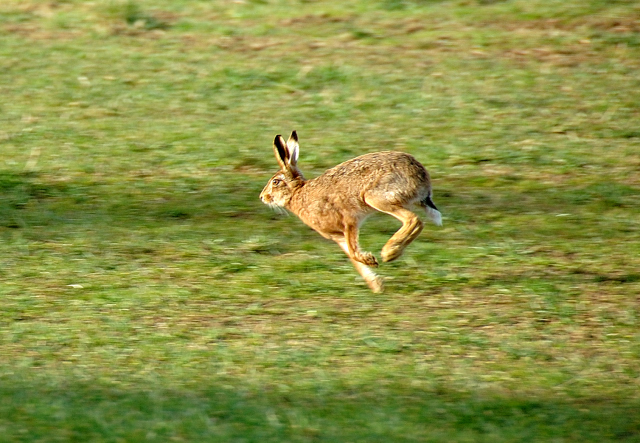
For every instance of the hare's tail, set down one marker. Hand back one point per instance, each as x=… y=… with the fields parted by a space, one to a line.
x=432 y=210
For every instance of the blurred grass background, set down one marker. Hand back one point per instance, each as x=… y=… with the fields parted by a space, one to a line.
x=148 y=295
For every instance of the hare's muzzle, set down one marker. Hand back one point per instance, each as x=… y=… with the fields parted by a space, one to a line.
x=265 y=197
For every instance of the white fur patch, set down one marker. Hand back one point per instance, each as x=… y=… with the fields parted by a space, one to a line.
x=435 y=216
x=367 y=273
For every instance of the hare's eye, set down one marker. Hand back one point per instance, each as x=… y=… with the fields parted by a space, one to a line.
x=275 y=182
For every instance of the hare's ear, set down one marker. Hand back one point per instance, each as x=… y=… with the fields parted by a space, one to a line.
x=281 y=151
x=294 y=148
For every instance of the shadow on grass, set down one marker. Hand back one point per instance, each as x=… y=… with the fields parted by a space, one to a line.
x=90 y=412
x=32 y=200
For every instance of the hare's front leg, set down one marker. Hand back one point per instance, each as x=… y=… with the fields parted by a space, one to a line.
x=373 y=281
x=353 y=248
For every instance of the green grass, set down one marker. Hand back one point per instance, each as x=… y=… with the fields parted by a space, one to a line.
x=148 y=295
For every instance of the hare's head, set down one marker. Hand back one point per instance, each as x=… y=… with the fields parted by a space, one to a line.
x=278 y=192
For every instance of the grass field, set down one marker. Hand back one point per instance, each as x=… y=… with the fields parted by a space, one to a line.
x=147 y=294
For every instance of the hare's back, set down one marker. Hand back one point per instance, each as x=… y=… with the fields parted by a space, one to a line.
x=387 y=172
x=375 y=166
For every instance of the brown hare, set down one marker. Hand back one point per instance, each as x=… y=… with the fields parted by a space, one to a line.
x=336 y=203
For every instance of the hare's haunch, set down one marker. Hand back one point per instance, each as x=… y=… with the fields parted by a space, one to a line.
x=336 y=203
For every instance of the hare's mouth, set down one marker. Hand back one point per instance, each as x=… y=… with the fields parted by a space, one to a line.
x=277 y=208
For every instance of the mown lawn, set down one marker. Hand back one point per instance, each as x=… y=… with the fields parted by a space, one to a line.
x=146 y=294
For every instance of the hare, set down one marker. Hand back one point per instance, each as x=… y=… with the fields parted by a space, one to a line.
x=337 y=202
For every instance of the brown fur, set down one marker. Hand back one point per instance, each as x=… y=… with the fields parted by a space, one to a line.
x=336 y=203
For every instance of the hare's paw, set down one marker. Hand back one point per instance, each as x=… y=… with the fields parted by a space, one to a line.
x=368 y=259
x=376 y=284
x=391 y=252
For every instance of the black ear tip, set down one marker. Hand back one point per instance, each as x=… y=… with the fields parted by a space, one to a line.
x=294 y=135
x=276 y=140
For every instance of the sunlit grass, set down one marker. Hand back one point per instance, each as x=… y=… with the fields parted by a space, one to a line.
x=147 y=294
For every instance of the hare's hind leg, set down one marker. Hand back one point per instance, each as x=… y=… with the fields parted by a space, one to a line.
x=411 y=228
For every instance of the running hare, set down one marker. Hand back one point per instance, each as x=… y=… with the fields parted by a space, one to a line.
x=336 y=203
